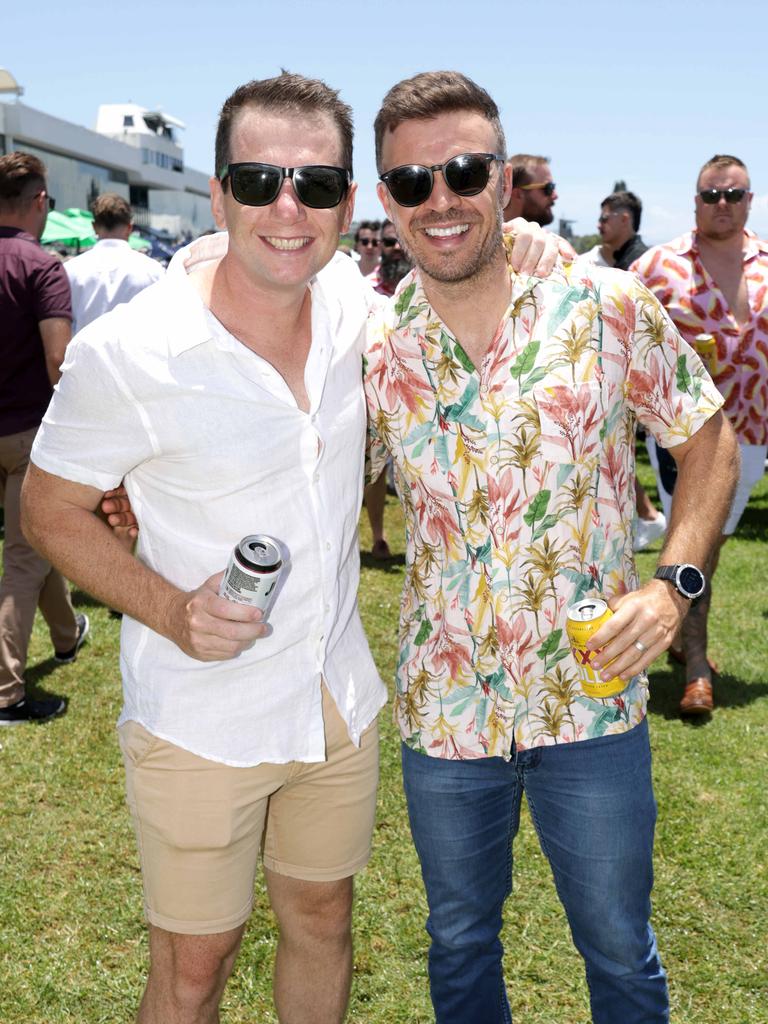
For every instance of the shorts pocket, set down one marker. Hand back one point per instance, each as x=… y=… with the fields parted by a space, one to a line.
x=136 y=742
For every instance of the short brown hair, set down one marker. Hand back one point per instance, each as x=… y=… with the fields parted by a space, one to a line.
x=287 y=93
x=431 y=93
x=111 y=211
x=21 y=175
x=523 y=165
x=722 y=160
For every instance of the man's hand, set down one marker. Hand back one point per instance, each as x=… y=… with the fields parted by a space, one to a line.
x=535 y=251
x=116 y=509
x=649 y=617
x=211 y=628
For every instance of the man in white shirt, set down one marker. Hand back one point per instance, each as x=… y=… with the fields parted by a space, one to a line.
x=229 y=398
x=111 y=272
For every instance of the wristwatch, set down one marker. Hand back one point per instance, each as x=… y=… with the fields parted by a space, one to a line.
x=686 y=579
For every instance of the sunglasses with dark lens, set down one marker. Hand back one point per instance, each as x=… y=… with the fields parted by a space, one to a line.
x=371 y=243
x=466 y=175
x=711 y=196
x=389 y=242
x=547 y=187
x=316 y=186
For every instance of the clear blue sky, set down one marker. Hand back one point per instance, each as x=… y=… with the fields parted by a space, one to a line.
x=645 y=91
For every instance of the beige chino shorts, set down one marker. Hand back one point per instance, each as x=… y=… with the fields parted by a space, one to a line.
x=201 y=825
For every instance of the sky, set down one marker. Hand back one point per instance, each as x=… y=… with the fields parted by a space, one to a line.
x=641 y=91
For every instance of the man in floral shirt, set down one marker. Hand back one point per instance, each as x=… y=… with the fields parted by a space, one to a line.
x=713 y=282
x=509 y=406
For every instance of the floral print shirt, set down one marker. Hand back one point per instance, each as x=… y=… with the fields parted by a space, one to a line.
x=517 y=483
x=680 y=281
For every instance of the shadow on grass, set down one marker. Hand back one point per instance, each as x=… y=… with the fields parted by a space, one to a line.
x=32 y=676
x=393 y=564
x=83 y=600
x=667 y=689
x=753 y=524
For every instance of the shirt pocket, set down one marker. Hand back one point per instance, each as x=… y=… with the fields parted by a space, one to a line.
x=570 y=418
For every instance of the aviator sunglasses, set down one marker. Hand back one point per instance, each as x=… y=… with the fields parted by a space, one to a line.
x=711 y=196
x=316 y=186
x=466 y=175
x=547 y=187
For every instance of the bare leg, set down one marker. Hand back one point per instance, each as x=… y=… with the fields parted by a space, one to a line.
x=643 y=504
x=375 y=496
x=313 y=966
x=187 y=976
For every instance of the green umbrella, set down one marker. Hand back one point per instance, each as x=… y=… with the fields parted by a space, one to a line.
x=65 y=230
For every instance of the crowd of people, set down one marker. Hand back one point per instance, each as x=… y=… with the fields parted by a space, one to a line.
x=248 y=389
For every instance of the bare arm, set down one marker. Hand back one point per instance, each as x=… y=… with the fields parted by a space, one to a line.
x=59 y=520
x=708 y=471
x=56 y=333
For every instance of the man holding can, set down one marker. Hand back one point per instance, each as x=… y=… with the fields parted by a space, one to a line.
x=713 y=282
x=229 y=398
x=508 y=405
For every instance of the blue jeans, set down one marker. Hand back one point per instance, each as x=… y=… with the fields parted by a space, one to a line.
x=594 y=811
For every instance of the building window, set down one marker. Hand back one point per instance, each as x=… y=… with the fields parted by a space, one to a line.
x=128 y=121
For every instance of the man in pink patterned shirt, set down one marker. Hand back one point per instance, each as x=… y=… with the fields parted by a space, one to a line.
x=713 y=282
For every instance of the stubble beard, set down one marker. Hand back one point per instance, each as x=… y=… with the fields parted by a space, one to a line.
x=469 y=266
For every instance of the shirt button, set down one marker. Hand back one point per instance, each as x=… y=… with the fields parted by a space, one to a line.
x=483 y=389
x=326 y=608
x=328 y=547
x=316 y=478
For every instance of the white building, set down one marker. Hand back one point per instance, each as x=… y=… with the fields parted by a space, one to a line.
x=133 y=151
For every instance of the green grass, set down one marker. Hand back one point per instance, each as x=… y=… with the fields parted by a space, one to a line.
x=72 y=942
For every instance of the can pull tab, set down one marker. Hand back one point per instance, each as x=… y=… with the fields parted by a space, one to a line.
x=257 y=548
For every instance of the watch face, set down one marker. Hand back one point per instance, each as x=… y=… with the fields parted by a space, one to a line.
x=691 y=580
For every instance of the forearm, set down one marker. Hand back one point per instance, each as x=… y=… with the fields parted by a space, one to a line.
x=87 y=552
x=707 y=476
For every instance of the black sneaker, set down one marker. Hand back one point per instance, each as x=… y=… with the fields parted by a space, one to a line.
x=83 y=627
x=28 y=710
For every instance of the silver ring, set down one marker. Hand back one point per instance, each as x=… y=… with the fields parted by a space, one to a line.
x=641 y=647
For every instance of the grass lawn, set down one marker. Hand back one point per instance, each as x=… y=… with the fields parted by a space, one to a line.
x=72 y=943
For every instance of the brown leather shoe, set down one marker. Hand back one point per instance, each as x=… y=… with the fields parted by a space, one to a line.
x=697 y=698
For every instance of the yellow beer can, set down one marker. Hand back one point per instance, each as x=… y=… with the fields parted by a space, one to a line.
x=584 y=618
x=706 y=349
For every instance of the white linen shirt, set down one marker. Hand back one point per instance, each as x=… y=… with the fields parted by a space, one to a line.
x=212 y=447
x=107 y=275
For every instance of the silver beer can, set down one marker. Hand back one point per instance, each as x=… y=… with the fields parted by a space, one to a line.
x=255 y=566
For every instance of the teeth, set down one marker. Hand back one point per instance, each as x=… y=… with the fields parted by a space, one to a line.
x=457 y=229
x=287 y=243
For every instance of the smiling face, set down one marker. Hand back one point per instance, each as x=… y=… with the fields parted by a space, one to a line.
x=723 y=220
x=449 y=237
x=282 y=245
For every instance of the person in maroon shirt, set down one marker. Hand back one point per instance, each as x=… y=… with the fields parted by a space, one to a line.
x=36 y=314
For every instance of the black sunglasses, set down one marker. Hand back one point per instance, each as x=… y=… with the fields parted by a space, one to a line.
x=389 y=242
x=317 y=186
x=368 y=242
x=711 y=196
x=466 y=175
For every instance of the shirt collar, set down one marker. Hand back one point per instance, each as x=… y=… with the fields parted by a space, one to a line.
x=753 y=246
x=18 y=233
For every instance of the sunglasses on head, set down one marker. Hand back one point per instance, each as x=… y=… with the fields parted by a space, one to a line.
x=466 y=175
x=316 y=186
x=711 y=196
x=547 y=187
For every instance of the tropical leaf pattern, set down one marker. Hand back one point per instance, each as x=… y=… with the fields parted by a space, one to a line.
x=517 y=483
x=677 y=277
